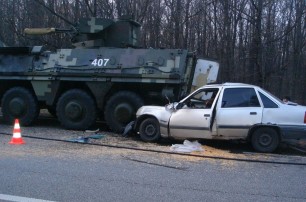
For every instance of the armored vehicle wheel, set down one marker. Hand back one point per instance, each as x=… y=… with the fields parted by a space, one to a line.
x=149 y=130
x=121 y=109
x=19 y=103
x=265 y=140
x=76 y=110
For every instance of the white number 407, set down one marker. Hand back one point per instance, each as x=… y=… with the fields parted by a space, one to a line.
x=100 y=62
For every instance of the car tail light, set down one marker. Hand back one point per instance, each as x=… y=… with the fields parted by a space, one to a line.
x=305 y=118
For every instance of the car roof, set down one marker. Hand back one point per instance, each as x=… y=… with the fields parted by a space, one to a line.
x=230 y=84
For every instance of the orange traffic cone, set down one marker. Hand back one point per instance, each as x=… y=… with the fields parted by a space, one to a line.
x=17 y=139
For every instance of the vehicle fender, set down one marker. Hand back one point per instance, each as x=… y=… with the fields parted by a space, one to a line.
x=138 y=121
x=162 y=114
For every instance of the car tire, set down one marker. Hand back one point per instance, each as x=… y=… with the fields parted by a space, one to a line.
x=121 y=109
x=149 y=130
x=76 y=110
x=19 y=103
x=265 y=140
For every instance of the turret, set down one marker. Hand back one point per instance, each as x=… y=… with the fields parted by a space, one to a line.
x=98 y=32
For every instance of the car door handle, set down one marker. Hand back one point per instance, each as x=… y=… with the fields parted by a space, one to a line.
x=253 y=113
x=206 y=115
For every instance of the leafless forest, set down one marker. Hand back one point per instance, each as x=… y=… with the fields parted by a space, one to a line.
x=261 y=42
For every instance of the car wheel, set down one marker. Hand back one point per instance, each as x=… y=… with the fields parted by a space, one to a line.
x=76 y=110
x=121 y=109
x=265 y=140
x=19 y=103
x=149 y=130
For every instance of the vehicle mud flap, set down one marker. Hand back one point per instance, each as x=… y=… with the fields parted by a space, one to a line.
x=128 y=129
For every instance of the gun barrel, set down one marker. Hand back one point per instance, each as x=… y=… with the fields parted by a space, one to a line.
x=39 y=31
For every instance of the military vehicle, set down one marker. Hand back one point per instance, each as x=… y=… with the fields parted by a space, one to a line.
x=106 y=75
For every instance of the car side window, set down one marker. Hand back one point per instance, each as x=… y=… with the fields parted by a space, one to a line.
x=202 y=99
x=239 y=97
x=267 y=102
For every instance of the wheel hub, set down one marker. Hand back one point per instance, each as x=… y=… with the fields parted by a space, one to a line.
x=17 y=106
x=150 y=130
x=123 y=113
x=73 y=111
x=265 y=139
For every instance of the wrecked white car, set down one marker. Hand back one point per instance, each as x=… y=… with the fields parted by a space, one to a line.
x=225 y=111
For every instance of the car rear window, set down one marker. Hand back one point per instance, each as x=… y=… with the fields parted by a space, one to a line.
x=267 y=102
x=239 y=97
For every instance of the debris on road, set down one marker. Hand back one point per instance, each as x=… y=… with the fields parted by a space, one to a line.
x=96 y=136
x=79 y=140
x=128 y=129
x=187 y=147
x=92 y=131
x=86 y=139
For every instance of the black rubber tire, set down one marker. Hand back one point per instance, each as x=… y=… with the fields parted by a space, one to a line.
x=19 y=103
x=265 y=140
x=149 y=130
x=121 y=109
x=76 y=110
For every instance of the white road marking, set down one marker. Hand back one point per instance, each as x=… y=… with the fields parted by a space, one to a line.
x=20 y=199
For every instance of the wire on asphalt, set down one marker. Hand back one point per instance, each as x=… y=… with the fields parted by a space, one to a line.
x=165 y=152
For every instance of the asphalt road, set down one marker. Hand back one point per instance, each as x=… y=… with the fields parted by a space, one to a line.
x=66 y=171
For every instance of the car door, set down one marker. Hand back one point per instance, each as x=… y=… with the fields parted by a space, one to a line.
x=237 y=111
x=194 y=119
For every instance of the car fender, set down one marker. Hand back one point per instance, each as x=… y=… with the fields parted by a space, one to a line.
x=161 y=114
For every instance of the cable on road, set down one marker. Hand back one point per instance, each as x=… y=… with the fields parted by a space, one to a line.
x=166 y=152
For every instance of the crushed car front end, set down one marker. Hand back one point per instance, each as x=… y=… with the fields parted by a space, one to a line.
x=158 y=113
x=161 y=114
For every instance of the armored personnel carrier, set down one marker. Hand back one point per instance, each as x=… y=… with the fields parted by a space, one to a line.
x=105 y=76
